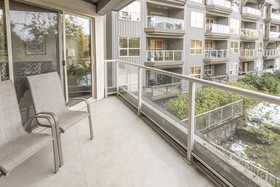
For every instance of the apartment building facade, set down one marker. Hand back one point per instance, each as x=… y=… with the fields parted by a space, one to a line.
x=216 y=40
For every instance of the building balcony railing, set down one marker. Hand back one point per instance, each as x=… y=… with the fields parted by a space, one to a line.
x=128 y=83
x=157 y=25
x=275 y=16
x=249 y=34
x=274 y=34
x=217 y=31
x=165 y=23
x=215 y=56
x=248 y=55
x=164 y=55
x=222 y=3
x=271 y=53
x=220 y=78
x=164 y=58
x=251 y=13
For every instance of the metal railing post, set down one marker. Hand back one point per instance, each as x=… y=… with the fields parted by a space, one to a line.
x=105 y=80
x=139 y=91
x=117 y=77
x=191 y=121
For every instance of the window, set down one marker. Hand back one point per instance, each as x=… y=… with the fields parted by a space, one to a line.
x=236 y=5
x=131 y=12
x=156 y=44
x=234 y=26
x=196 y=47
x=261 y=28
x=260 y=47
x=195 y=71
x=208 y=45
x=233 y=69
x=129 y=46
x=258 y=65
x=207 y=70
x=234 y=47
x=197 y=19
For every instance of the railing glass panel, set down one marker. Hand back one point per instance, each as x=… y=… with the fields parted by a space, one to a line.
x=164 y=55
x=249 y=32
x=250 y=10
x=272 y=52
x=248 y=53
x=217 y=28
x=165 y=23
x=216 y=54
x=223 y=3
x=275 y=16
x=274 y=34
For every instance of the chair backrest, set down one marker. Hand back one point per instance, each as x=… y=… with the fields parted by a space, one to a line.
x=47 y=93
x=10 y=120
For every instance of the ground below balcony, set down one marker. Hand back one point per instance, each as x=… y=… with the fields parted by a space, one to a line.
x=125 y=152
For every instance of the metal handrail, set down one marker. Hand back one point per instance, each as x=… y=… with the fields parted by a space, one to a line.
x=165 y=22
x=241 y=91
x=164 y=55
x=216 y=53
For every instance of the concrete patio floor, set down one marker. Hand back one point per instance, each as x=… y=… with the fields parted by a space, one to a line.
x=125 y=152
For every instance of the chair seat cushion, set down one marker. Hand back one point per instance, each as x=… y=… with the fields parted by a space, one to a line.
x=16 y=151
x=67 y=119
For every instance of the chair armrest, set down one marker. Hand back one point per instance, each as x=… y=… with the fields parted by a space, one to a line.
x=47 y=117
x=81 y=99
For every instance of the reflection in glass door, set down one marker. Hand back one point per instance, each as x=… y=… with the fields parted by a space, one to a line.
x=4 y=70
x=34 y=33
x=78 y=56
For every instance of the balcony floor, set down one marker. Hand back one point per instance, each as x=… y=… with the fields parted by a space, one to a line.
x=125 y=152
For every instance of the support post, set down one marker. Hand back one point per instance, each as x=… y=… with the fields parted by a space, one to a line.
x=105 y=80
x=139 y=91
x=117 y=77
x=191 y=121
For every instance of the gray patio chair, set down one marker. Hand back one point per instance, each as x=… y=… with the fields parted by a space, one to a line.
x=48 y=99
x=16 y=145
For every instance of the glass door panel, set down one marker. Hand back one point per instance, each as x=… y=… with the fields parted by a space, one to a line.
x=78 y=56
x=35 y=48
x=4 y=70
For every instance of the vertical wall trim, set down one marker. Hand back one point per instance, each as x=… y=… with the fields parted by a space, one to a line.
x=64 y=57
x=9 y=39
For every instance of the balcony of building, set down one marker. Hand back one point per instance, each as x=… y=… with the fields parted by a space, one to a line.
x=246 y=68
x=218 y=29
x=164 y=52
x=248 y=34
x=274 y=18
x=248 y=55
x=216 y=56
x=272 y=36
x=270 y=65
x=250 y=13
x=164 y=20
x=215 y=73
x=271 y=54
x=219 y=6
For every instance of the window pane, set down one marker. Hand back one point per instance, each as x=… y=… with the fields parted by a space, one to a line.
x=134 y=43
x=191 y=70
x=192 y=43
x=123 y=43
x=198 y=51
x=192 y=51
x=198 y=44
x=123 y=52
x=134 y=52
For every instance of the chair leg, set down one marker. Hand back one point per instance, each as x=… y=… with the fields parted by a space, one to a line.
x=90 y=127
x=55 y=155
x=59 y=150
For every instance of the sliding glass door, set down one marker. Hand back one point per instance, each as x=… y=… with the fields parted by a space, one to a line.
x=35 y=49
x=78 y=56
x=4 y=66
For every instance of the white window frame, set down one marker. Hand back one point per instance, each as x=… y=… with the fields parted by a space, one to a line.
x=261 y=31
x=195 y=48
x=193 y=75
x=128 y=48
x=195 y=23
x=233 y=70
x=234 y=26
x=232 y=49
x=130 y=12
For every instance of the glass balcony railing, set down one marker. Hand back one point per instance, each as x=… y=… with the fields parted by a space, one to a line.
x=248 y=53
x=165 y=23
x=249 y=32
x=216 y=54
x=275 y=16
x=274 y=34
x=222 y=3
x=271 y=52
x=249 y=10
x=200 y=116
x=217 y=28
x=164 y=55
